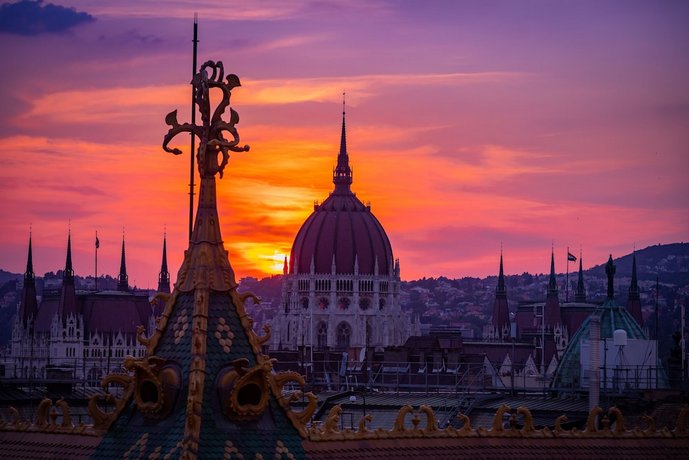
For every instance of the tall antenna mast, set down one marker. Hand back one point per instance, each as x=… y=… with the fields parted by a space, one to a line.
x=193 y=121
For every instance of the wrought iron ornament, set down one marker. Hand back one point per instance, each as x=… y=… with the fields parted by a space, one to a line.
x=212 y=142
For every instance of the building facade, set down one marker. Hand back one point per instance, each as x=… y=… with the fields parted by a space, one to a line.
x=75 y=336
x=341 y=287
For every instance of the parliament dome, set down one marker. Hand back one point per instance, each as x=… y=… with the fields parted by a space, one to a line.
x=341 y=231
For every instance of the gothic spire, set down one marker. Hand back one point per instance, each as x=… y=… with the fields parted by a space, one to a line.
x=164 y=276
x=501 y=312
x=68 y=274
x=122 y=279
x=552 y=282
x=29 y=273
x=580 y=295
x=29 y=303
x=634 y=286
x=551 y=309
x=501 y=290
x=342 y=175
x=68 y=300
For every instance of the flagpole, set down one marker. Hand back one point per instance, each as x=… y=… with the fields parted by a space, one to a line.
x=193 y=120
x=567 y=278
x=96 y=278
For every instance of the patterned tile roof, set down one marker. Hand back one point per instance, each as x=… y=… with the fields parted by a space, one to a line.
x=205 y=390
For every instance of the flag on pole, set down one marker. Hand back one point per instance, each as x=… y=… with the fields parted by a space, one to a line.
x=571 y=257
x=97 y=242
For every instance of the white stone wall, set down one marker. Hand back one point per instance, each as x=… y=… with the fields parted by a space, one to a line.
x=312 y=299
x=89 y=355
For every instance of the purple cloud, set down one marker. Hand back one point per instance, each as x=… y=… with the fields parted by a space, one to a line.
x=29 y=17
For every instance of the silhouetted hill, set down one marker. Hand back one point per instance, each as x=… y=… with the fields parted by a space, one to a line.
x=7 y=276
x=670 y=262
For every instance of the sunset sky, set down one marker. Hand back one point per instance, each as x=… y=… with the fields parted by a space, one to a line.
x=470 y=125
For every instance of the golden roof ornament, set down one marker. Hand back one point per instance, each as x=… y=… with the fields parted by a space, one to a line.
x=210 y=132
x=206 y=263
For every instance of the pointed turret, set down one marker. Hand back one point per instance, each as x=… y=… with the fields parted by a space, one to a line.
x=284 y=267
x=205 y=386
x=122 y=279
x=68 y=297
x=500 y=290
x=552 y=301
x=552 y=281
x=164 y=275
x=29 y=303
x=580 y=295
x=501 y=312
x=68 y=274
x=634 y=299
x=342 y=175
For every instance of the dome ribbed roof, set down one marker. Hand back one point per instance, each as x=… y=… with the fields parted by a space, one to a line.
x=341 y=227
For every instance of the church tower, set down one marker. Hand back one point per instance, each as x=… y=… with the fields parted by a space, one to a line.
x=122 y=279
x=164 y=276
x=552 y=301
x=501 y=312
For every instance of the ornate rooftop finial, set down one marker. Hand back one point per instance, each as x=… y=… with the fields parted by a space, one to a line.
x=342 y=175
x=610 y=271
x=212 y=141
x=216 y=272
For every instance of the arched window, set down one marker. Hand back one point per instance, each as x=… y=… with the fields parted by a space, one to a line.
x=304 y=303
x=365 y=303
x=322 y=335
x=381 y=303
x=344 y=334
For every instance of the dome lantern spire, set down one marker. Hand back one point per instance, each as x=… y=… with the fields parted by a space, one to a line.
x=342 y=175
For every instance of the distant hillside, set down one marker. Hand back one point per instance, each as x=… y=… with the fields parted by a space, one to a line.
x=670 y=262
x=7 y=276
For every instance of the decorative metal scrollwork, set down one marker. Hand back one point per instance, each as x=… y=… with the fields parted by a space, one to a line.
x=211 y=132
